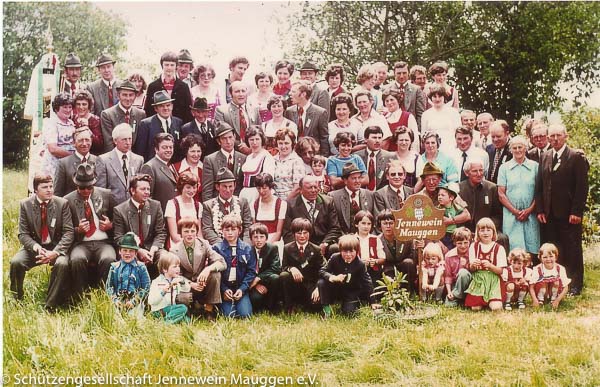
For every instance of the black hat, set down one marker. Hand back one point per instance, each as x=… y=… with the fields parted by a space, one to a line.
x=72 y=60
x=85 y=176
x=223 y=128
x=224 y=175
x=104 y=59
x=127 y=85
x=161 y=97
x=200 y=104
x=350 y=168
x=307 y=66
x=184 y=56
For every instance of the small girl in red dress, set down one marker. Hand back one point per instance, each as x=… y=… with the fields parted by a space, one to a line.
x=515 y=279
x=548 y=280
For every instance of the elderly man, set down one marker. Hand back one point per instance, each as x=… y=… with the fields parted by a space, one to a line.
x=104 y=90
x=466 y=149
x=318 y=96
x=92 y=212
x=163 y=186
x=185 y=65
x=311 y=119
x=142 y=216
x=414 y=98
x=484 y=120
x=202 y=126
x=375 y=158
x=432 y=178
x=499 y=149
x=162 y=121
x=46 y=234
x=539 y=139
x=382 y=73
x=351 y=199
x=239 y=115
x=468 y=119
x=393 y=195
x=176 y=90
x=116 y=167
x=561 y=192
x=227 y=157
x=123 y=112
x=67 y=166
x=224 y=204
x=319 y=209
x=72 y=70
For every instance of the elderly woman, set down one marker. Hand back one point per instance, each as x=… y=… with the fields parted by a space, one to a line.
x=431 y=143
x=140 y=85
x=343 y=108
x=404 y=139
x=204 y=75
x=441 y=119
x=334 y=76
x=192 y=147
x=283 y=86
x=259 y=160
x=57 y=133
x=516 y=191
x=276 y=105
x=366 y=78
x=439 y=72
x=260 y=99
x=183 y=205
x=267 y=208
x=344 y=141
x=82 y=106
x=396 y=118
x=289 y=167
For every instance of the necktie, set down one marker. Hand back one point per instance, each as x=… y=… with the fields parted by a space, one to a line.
x=243 y=123
x=311 y=210
x=166 y=127
x=495 y=164
x=203 y=128
x=141 y=224
x=44 y=230
x=483 y=142
x=355 y=206
x=400 y=198
x=226 y=208
x=110 y=95
x=127 y=116
x=462 y=171
x=230 y=162
x=90 y=218
x=83 y=160
x=301 y=250
x=554 y=160
x=125 y=171
x=190 y=255
x=300 y=122
x=73 y=88
x=371 y=172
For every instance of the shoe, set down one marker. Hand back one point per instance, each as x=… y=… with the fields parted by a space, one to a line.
x=574 y=292
x=520 y=305
x=450 y=303
x=507 y=306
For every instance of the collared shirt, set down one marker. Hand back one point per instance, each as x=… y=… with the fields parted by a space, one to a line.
x=560 y=151
x=120 y=157
x=398 y=191
x=307 y=204
x=305 y=107
x=80 y=156
x=199 y=125
x=227 y=155
x=163 y=121
x=350 y=194
x=244 y=112
x=98 y=235
x=112 y=82
x=374 y=119
x=123 y=108
x=472 y=152
x=136 y=204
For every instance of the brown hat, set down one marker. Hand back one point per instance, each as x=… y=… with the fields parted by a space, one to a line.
x=223 y=128
x=307 y=66
x=224 y=175
x=104 y=59
x=72 y=60
x=350 y=168
x=431 y=169
x=126 y=85
x=200 y=103
x=85 y=176
x=184 y=56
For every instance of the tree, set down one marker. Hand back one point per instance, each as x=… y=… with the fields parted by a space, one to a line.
x=509 y=58
x=77 y=27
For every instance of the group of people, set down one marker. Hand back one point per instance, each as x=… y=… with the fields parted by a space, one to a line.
x=198 y=195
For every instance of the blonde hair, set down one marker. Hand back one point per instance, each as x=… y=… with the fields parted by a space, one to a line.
x=518 y=254
x=165 y=260
x=548 y=248
x=485 y=222
x=461 y=234
x=433 y=250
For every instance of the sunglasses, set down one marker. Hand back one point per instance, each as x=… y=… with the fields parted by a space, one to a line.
x=396 y=174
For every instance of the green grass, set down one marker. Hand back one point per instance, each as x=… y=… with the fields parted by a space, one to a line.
x=458 y=347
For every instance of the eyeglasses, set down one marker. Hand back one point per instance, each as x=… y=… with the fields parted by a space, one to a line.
x=396 y=174
x=206 y=75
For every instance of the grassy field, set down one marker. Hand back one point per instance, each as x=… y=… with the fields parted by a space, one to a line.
x=458 y=347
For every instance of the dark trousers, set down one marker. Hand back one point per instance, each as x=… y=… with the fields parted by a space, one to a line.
x=58 y=287
x=568 y=238
x=90 y=263
x=266 y=301
x=350 y=297
x=408 y=267
x=296 y=293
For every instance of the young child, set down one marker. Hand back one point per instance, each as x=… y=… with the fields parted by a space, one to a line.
x=371 y=247
x=345 y=278
x=487 y=259
x=265 y=287
x=432 y=269
x=240 y=258
x=515 y=279
x=548 y=280
x=128 y=281
x=456 y=264
x=318 y=165
x=166 y=287
x=455 y=212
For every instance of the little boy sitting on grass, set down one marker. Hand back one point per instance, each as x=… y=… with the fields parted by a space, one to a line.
x=166 y=288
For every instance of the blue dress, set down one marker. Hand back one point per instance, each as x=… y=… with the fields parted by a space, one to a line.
x=519 y=180
x=335 y=164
